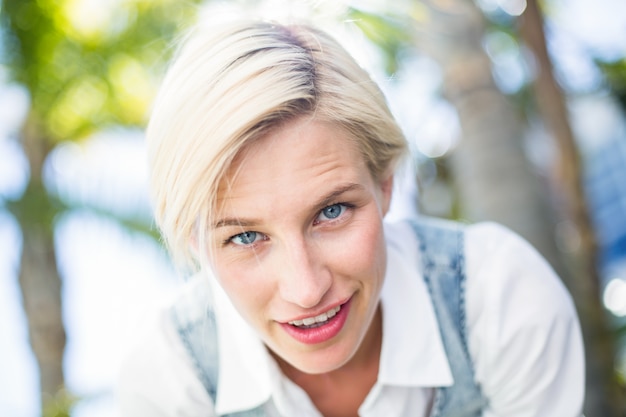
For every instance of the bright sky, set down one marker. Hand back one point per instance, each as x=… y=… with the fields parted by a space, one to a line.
x=112 y=280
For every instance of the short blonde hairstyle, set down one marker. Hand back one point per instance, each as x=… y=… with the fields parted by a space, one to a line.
x=233 y=83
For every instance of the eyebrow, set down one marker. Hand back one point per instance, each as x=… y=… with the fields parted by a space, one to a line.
x=327 y=200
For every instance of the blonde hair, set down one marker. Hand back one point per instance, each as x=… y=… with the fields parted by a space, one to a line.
x=232 y=84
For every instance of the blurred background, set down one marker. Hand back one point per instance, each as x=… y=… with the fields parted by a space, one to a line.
x=514 y=110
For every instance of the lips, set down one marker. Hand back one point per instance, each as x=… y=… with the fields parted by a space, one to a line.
x=320 y=328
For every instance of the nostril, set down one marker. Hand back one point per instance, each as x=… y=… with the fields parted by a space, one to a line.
x=304 y=281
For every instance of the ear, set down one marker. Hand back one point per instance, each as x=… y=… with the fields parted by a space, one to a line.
x=386 y=188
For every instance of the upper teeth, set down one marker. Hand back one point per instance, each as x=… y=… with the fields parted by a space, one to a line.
x=317 y=319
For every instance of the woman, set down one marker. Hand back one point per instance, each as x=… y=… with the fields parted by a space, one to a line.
x=272 y=160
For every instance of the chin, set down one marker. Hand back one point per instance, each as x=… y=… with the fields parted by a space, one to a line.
x=321 y=361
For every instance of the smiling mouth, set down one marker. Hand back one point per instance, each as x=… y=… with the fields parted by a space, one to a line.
x=312 y=322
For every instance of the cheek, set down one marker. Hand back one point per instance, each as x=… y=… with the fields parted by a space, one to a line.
x=237 y=282
x=361 y=251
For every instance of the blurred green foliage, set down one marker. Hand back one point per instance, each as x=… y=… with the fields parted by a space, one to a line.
x=615 y=76
x=60 y=405
x=86 y=66
x=391 y=33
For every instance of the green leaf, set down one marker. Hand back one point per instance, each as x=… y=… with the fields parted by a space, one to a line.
x=391 y=33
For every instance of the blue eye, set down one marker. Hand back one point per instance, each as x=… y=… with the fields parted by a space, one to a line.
x=332 y=212
x=245 y=238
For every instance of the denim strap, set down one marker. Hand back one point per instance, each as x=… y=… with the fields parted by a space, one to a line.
x=441 y=245
x=194 y=319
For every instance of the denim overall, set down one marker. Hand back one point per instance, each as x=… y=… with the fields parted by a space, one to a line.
x=441 y=248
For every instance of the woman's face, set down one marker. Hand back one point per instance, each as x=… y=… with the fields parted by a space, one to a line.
x=299 y=245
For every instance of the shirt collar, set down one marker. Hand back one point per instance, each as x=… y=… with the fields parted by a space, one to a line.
x=245 y=371
x=412 y=351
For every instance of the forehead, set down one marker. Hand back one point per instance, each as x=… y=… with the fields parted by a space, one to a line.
x=304 y=153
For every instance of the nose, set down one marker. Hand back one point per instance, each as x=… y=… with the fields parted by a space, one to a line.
x=304 y=278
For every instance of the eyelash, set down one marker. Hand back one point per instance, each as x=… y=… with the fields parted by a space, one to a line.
x=345 y=207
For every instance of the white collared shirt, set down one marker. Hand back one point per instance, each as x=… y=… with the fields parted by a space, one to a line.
x=523 y=336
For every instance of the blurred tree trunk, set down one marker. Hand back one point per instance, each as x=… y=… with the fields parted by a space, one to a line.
x=495 y=180
x=493 y=177
x=39 y=278
x=603 y=397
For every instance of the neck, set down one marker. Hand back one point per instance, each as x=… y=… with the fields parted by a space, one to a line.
x=348 y=384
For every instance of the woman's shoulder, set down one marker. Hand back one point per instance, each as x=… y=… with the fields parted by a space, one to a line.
x=156 y=376
x=523 y=331
x=501 y=265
